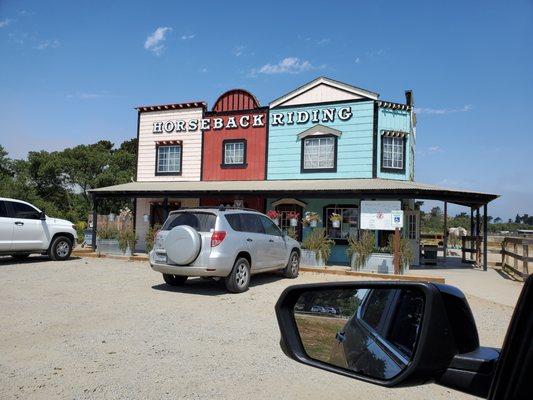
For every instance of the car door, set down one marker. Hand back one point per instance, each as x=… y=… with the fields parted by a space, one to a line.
x=256 y=240
x=6 y=228
x=276 y=243
x=28 y=228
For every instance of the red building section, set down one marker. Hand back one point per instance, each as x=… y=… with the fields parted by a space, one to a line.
x=234 y=143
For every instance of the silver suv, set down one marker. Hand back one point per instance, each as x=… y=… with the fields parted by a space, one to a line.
x=227 y=243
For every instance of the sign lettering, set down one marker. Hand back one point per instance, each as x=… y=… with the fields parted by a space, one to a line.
x=206 y=124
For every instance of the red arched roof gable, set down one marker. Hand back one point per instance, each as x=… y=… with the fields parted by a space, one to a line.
x=236 y=99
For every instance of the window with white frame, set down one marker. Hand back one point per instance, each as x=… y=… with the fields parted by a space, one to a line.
x=235 y=153
x=393 y=152
x=319 y=153
x=168 y=159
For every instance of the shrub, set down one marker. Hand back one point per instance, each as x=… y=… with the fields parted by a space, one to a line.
x=80 y=230
x=318 y=242
x=406 y=252
x=107 y=232
x=126 y=238
x=149 y=238
x=291 y=232
x=362 y=248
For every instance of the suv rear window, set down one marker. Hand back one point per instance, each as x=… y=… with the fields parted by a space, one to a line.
x=201 y=221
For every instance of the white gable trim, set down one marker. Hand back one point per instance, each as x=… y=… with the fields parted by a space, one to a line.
x=288 y=201
x=350 y=90
x=319 y=130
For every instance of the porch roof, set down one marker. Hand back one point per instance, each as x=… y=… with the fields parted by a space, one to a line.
x=342 y=188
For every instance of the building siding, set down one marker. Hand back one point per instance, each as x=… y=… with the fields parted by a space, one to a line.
x=255 y=150
x=354 y=157
x=191 y=145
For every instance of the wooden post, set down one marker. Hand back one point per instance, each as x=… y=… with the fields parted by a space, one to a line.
x=485 y=238
x=478 y=244
x=95 y=222
x=472 y=234
x=165 y=209
x=515 y=260
x=504 y=257
x=445 y=237
x=525 y=255
x=396 y=246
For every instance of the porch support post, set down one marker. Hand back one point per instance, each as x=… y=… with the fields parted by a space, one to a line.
x=165 y=208
x=478 y=233
x=445 y=236
x=485 y=237
x=472 y=234
x=95 y=222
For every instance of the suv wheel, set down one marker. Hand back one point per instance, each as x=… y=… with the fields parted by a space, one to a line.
x=20 y=256
x=60 y=248
x=239 y=278
x=174 y=280
x=293 y=266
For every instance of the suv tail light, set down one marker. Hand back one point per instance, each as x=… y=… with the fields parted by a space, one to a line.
x=217 y=237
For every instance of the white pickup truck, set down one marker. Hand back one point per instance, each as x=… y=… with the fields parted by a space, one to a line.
x=25 y=230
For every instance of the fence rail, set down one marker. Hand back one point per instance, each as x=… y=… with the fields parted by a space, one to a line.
x=518 y=255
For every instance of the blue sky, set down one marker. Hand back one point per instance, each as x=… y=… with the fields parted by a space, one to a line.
x=71 y=72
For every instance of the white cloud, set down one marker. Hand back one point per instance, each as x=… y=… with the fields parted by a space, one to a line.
x=357 y=60
x=48 y=44
x=442 y=111
x=188 y=37
x=204 y=70
x=238 y=50
x=5 y=22
x=289 y=65
x=154 y=42
x=88 y=95
x=323 y=41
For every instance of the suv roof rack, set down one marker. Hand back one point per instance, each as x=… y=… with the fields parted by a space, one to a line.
x=219 y=208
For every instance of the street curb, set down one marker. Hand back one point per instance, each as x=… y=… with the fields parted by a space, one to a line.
x=335 y=271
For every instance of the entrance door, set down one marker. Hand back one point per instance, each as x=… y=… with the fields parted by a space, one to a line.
x=412 y=233
x=285 y=223
x=158 y=213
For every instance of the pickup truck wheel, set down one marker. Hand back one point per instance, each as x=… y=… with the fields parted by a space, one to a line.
x=60 y=248
x=239 y=278
x=20 y=256
x=174 y=280
x=293 y=266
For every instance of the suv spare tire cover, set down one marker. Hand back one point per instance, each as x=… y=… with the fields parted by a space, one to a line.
x=183 y=244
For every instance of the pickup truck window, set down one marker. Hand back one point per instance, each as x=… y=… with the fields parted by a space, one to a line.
x=24 y=211
x=3 y=210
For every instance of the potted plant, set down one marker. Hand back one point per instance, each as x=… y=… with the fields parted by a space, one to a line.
x=311 y=219
x=274 y=216
x=360 y=249
x=335 y=220
x=126 y=241
x=107 y=240
x=293 y=216
x=319 y=245
x=149 y=238
x=406 y=252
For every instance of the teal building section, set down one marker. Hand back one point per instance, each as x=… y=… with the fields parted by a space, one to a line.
x=338 y=252
x=354 y=147
x=401 y=121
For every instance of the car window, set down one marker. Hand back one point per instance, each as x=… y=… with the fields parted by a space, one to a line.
x=269 y=226
x=234 y=221
x=376 y=307
x=201 y=221
x=406 y=321
x=3 y=210
x=251 y=223
x=24 y=211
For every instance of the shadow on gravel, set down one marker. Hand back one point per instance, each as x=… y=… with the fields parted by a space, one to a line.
x=8 y=260
x=210 y=287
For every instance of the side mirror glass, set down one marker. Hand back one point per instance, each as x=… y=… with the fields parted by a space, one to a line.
x=369 y=331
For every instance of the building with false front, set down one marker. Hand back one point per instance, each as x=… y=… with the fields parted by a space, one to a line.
x=324 y=147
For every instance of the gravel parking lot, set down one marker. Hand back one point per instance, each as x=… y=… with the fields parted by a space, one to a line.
x=110 y=329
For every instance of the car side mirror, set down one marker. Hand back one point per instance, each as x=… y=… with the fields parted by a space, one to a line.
x=42 y=216
x=386 y=333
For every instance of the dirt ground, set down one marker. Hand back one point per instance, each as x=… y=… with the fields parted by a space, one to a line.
x=109 y=329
